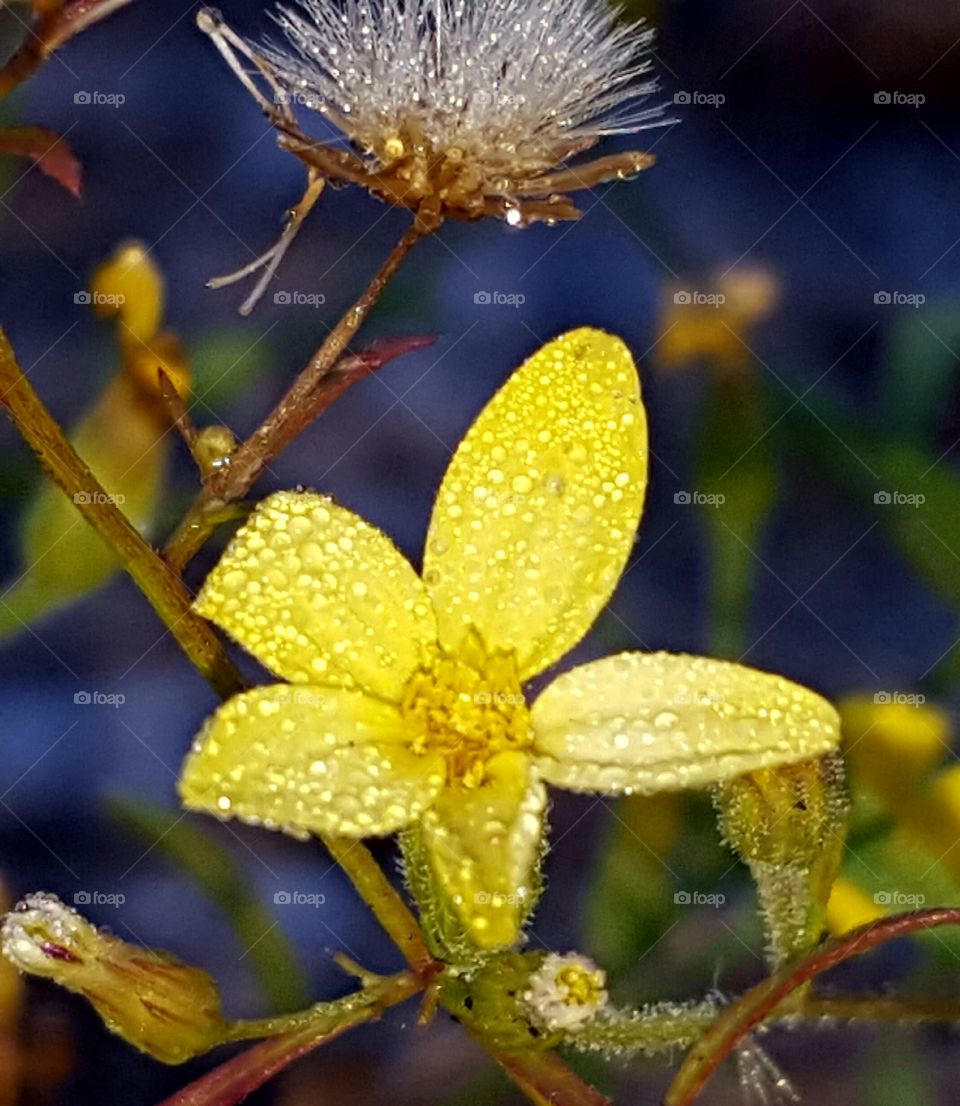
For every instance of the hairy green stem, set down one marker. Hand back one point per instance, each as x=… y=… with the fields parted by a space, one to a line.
x=243 y=1074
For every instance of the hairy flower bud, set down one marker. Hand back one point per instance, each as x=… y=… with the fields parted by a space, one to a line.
x=786 y=823
x=151 y=999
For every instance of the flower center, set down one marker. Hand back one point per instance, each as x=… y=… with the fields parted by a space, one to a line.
x=412 y=171
x=468 y=707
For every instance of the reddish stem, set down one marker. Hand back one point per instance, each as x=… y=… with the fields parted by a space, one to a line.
x=757 y=1004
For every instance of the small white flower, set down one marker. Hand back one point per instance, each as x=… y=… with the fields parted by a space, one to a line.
x=566 y=991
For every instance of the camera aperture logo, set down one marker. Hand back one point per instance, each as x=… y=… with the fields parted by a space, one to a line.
x=499 y=299
x=299 y=898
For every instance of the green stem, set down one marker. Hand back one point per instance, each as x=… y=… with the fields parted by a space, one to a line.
x=162 y=587
x=323 y=1018
x=243 y=1074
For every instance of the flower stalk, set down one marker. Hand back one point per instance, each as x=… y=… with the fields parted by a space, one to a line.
x=324 y=379
x=165 y=591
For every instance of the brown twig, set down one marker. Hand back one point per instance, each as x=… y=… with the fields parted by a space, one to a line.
x=317 y=386
x=162 y=587
x=739 y=1020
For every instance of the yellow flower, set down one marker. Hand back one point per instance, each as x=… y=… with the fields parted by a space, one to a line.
x=404 y=703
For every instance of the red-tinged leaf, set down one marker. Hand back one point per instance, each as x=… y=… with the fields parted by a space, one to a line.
x=55 y=25
x=48 y=150
x=739 y=1020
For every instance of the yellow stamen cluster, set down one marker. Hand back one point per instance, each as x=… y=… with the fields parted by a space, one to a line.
x=468 y=707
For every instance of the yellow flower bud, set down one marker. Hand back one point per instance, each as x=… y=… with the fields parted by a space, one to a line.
x=156 y=1003
x=213 y=448
x=129 y=284
x=787 y=825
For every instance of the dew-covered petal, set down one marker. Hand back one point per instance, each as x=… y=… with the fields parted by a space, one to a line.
x=650 y=722
x=318 y=595
x=310 y=760
x=539 y=507
x=482 y=844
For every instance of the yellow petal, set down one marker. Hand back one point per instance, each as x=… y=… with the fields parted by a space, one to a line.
x=482 y=844
x=539 y=507
x=651 y=722
x=318 y=595
x=308 y=760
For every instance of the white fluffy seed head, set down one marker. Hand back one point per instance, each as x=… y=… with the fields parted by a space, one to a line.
x=509 y=83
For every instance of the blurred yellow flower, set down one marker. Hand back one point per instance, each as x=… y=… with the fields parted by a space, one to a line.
x=850 y=906
x=405 y=705
x=712 y=325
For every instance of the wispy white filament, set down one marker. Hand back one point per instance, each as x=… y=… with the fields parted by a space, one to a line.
x=522 y=77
